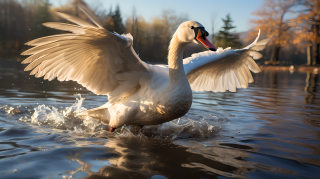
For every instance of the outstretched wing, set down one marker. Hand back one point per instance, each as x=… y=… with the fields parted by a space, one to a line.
x=223 y=70
x=103 y=62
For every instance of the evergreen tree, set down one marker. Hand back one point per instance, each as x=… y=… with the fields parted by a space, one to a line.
x=117 y=20
x=225 y=38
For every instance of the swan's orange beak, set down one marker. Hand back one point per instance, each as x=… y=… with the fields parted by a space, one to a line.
x=201 y=37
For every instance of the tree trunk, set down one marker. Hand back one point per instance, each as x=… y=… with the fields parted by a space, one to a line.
x=309 y=50
x=316 y=60
x=137 y=34
x=315 y=45
x=275 y=54
x=132 y=26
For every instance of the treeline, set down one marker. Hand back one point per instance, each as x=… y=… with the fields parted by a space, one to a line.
x=293 y=26
x=21 y=21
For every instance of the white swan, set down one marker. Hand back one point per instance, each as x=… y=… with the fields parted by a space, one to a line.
x=138 y=93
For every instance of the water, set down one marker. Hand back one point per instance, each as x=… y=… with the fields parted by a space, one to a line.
x=271 y=129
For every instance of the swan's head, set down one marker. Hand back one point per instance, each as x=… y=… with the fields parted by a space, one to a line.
x=194 y=32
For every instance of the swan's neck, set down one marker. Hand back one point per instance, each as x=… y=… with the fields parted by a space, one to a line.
x=175 y=61
x=179 y=100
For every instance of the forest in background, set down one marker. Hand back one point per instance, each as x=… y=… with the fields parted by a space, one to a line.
x=292 y=25
x=21 y=21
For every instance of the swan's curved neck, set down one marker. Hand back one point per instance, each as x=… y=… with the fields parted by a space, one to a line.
x=175 y=61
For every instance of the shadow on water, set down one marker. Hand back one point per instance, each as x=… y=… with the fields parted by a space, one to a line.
x=271 y=129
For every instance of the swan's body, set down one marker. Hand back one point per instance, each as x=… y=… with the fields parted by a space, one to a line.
x=138 y=93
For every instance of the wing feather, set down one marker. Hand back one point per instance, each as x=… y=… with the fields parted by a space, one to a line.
x=45 y=60
x=49 y=69
x=232 y=82
x=44 y=53
x=41 y=48
x=90 y=15
x=49 y=39
x=75 y=20
x=260 y=45
x=72 y=28
x=223 y=70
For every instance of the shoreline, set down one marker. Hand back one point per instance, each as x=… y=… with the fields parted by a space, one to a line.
x=314 y=69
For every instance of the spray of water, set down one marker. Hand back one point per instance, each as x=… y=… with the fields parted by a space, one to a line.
x=189 y=126
x=65 y=119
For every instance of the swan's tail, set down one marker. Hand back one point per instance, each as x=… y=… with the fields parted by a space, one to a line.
x=101 y=113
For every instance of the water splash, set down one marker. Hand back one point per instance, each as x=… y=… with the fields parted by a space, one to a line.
x=66 y=119
x=189 y=126
x=76 y=107
x=182 y=128
x=10 y=109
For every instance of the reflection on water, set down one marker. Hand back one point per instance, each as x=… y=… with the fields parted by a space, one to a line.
x=143 y=159
x=310 y=88
x=271 y=129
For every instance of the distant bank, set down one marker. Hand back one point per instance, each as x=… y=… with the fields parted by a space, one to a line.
x=314 y=69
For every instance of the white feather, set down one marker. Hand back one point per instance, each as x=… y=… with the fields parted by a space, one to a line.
x=228 y=68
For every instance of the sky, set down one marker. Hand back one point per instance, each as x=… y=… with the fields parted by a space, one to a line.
x=207 y=12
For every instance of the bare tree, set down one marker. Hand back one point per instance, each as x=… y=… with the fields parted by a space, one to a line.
x=306 y=26
x=271 y=20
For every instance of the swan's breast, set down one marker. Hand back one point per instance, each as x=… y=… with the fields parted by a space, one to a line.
x=179 y=102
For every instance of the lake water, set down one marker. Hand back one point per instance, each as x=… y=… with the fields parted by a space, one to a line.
x=270 y=130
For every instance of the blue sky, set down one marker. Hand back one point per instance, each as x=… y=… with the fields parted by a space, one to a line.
x=204 y=11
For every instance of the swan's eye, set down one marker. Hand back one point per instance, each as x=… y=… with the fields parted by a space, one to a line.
x=191 y=27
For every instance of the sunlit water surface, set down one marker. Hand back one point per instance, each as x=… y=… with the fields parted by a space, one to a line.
x=270 y=130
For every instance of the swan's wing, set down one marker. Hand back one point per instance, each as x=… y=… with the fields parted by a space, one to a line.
x=223 y=70
x=103 y=62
